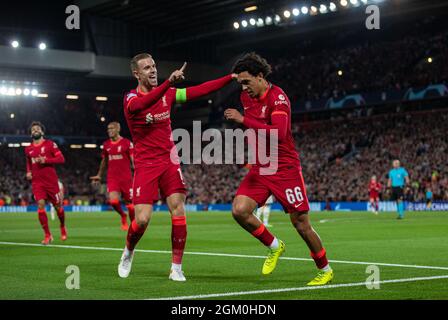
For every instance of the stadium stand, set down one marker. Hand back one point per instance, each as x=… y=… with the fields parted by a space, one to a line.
x=338 y=154
x=338 y=157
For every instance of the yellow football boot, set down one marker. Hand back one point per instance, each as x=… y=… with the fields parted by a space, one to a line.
x=322 y=278
x=271 y=261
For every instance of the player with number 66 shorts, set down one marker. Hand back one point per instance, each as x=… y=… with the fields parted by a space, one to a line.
x=267 y=111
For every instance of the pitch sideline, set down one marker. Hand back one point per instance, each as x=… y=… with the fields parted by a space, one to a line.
x=342 y=285
x=223 y=255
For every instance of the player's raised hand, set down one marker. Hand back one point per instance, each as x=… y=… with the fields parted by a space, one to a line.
x=29 y=175
x=178 y=75
x=183 y=67
x=95 y=180
x=233 y=115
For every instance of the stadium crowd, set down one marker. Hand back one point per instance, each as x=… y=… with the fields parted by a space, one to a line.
x=366 y=67
x=338 y=158
x=304 y=73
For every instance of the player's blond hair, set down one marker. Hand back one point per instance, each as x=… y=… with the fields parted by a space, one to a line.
x=137 y=58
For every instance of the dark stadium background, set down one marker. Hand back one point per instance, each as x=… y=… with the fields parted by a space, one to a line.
x=390 y=101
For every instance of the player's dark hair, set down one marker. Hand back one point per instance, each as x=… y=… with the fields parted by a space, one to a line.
x=37 y=123
x=137 y=58
x=252 y=63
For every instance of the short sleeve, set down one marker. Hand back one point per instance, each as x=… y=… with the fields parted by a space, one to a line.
x=279 y=104
x=127 y=98
x=104 y=152
x=55 y=147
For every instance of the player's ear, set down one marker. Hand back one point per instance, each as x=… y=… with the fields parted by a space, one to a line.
x=135 y=74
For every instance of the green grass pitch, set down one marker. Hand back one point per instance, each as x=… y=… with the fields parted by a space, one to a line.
x=221 y=258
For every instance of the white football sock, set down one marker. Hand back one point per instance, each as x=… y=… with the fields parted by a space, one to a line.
x=176 y=267
x=326 y=268
x=274 y=245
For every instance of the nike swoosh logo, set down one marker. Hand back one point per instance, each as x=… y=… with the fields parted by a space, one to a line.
x=298 y=205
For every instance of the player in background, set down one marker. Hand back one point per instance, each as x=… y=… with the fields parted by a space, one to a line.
x=267 y=107
x=429 y=195
x=61 y=197
x=398 y=179
x=374 y=194
x=41 y=157
x=264 y=212
x=118 y=157
x=147 y=111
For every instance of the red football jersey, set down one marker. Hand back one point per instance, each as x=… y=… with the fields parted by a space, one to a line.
x=273 y=100
x=374 y=188
x=118 y=155
x=43 y=174
x=151 y=129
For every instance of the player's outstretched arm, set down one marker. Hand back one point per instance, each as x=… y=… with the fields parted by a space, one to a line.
x=96 y=179
x=279 y=120
x=190 y=93
x=137 y=104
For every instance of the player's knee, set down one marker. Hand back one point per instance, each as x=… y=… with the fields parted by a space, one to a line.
x=178 y=209
x=239 y=209
x=142 y=220
x=300 y=224
x=142 y=217
x=302 y=228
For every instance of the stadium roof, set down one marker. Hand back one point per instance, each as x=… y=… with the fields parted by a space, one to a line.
x=181 y=16
x=212 y=20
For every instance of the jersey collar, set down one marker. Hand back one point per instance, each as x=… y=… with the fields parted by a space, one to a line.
x=115 y=142
x=39 y=144
x=266 y=92
x=141 y=92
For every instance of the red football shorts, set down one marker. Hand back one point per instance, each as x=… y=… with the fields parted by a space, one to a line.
x=149 y=180
x=49 y=193
x=124 y=187
x=374 y=196
x=286 y=185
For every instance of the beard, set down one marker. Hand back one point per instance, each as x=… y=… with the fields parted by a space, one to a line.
x=36 y=136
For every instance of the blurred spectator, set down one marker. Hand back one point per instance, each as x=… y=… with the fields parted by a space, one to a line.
x=338 y=158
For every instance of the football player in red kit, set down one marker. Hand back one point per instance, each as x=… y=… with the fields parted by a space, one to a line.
x=118 y=156
x=147 y=111
x=41 y=157
x=267 y=108
x=374 y=194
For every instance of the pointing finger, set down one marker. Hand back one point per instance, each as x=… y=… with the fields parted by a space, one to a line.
x=183 y=67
